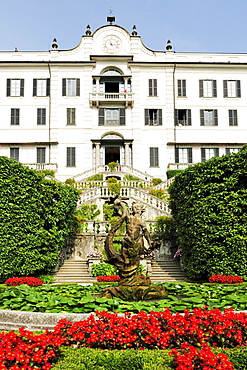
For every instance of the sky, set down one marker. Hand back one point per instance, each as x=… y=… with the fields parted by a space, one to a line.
x=191 y=25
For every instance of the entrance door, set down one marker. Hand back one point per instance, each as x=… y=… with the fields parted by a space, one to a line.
x=112 y=154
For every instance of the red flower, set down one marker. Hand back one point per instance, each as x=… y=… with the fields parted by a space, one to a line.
x=31 y=281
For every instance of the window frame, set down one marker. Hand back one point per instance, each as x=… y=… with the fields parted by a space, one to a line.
x=237 y=89
x=152 y=87
x=102 y=115
x=71 y=156
x=188 y=155
x=202 y=88
x=203 y=153
x=15 y=117
x=41 y=154
x=214 y=117
x=187 y=121
x=66 y=88
x=233 y=117
x=71 y=116
x=9 y=91
x=14 y=153
x=153 y=157
x=41 y=116
x=148 y=121
x=181 y=85
x=36 y=88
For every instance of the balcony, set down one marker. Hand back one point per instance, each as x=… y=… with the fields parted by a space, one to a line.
x=178 y=166
x=41 y=166
x=125 y=98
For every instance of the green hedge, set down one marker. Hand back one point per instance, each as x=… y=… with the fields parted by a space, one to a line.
x=172 y=173
x=35 y=220
x=85 y=359
x=209 y=205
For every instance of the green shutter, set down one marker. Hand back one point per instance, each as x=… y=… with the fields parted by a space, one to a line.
x=189 y=155
x=146 y=113
x=189 y=117
x=101 y=116
x=22 y=87
x=183 y=87
x=48 y=87
x=238 y=89
x=215 y=113
x=200 y=88
x=214 y=88
x=159 y=112
x=202 y=117
x=8 y=87
x=176 y=117
x=225 y=93
x=203 y=154
x=176 y=155
x=77 y=87
x=34 y=87
x=179 y=88
x=122 y=116
x=64 y=87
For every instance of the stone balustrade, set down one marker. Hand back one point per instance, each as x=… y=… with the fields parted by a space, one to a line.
x=102 y=227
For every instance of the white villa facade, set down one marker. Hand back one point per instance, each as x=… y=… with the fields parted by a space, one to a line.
x=113 y=99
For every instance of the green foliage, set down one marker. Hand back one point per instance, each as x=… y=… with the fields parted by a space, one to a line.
x=84 y=213
x=172 y=173
x=70 y=182
x=238 y=356
x=103 y=269
x=156 y=181
x=47 y=279
x=97 y=177
x=114 y=186
x=48 y=173
x=130 y=359
x=209 y=205
x=164 y=227
x=113 y=166
x=159 y=193
x=35 y=220
x=129 y=177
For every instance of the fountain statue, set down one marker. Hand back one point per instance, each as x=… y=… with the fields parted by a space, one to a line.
x=131 y=286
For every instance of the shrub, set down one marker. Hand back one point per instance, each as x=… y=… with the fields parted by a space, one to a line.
x=159 y=193
x=208 y=203
x=113 y=166
x=225 y=279
x=31 y=281
x=172 y=173
x=70 y=182
x=84 y=213
x=102 y=268
x=156 y=181
x=35 y=220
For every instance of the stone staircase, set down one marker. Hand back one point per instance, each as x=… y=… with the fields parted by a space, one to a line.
x=76 y=271
x=166 y=270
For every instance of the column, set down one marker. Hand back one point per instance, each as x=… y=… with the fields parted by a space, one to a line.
x=127 y=153
x=97 y=154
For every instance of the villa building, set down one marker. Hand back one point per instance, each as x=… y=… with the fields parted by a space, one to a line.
x=113 y=99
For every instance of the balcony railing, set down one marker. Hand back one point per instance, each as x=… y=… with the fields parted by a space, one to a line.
x=42 y=166
x=96 y=98
x=178 y=166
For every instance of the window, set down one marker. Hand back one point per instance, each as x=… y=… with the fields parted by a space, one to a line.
x=15 y=116
x=182 y=88
x=111 y=116
x=41 y=154
x=152 y=87
x=15 y=87
x=14 y=154
x=232 y=89
x=70 y=157
x=233 y=117
x=153 y=117
x=154 y=157
x=41 y=116
x=182 y=117
x=232 y=150
x=183 y=155
x=71 y=116
x=71 y=87
x=207 y=89
x=41 y=87
x=209 y=117
x=208 y=153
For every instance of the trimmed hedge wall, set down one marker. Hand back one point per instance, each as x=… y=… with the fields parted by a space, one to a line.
x=36 y=216
x=209 y=205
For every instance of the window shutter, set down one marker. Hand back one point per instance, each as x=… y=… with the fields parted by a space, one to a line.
x=8 y=87
x=238 y=89
x=64 y=87
x=150 y=87
x=159 y=112
x=176 y=117
x=71 y=157
x=189 y=117
x=179 y=88
x=48 y=83
x=203 y=154
x=101 y=116
x=155 y=87
x=230 y=117
x=228 y=151
x=34 y=87
x=146 y=111
x=22 y=87
x=216 y=152
x=38 y=116
x=202 y=117
x=176 y=155
x=225 y=94
x=189 y=155
x=77 y=87
x=122 y=116
x=214 y=88
x=200 y=88
x=184 y=87
x=215 y=117
x=43 y=116
x=154 y=157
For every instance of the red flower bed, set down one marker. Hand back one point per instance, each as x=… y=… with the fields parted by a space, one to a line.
x=189 y=337
x=27 y=351
x=31 y=281
x=225 y=279
x=111 y=278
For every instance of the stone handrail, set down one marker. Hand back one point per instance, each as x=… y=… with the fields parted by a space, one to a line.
x=41 y=166
x=164 y=185
x=126 y=192
x=119 y=171
x=102 y=227
x=95 y=184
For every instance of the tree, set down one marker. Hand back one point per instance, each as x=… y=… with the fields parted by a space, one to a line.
x=36 y=216
x=209 y=206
